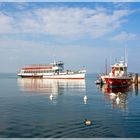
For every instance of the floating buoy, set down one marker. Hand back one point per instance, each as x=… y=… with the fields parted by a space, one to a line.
x=51 y=97
x=117 y=100
x=112 y=94
x=85 y=98
x=87 y=122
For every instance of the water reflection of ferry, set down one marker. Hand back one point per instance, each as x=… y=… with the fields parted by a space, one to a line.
x=50 y=86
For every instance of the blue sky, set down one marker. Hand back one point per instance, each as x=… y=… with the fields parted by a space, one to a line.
x=78 y=33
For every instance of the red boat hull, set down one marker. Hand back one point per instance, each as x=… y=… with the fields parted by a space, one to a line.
x=117 y=83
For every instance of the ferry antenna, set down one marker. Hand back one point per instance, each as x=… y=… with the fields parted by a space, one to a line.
x=125 y=56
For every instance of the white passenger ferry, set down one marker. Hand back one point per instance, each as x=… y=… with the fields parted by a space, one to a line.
x=53 y=70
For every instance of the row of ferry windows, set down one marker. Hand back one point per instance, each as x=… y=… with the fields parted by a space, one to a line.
x=43 y=71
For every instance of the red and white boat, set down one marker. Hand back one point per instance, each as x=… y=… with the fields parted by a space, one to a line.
x=53 y=70
x=118 y=77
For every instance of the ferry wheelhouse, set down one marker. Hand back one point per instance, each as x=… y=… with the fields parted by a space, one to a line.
x=53 y=70
x=118 y=77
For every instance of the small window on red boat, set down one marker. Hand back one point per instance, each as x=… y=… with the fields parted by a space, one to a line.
x=121 y=68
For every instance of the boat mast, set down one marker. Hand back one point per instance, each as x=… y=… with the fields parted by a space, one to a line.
x=110 y=61
x=106 y=66
x=125 y=56
x=54 y=60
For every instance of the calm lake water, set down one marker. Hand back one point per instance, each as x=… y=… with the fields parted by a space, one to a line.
x=26 y=109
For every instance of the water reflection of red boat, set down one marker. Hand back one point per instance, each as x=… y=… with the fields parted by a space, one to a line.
x=106 y=89
x=116 y=96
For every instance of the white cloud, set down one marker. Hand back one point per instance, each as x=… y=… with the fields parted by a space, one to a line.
x=124 y=36
x=79 y=21
x=20 y=46
x=62 y=21
x=5 y=23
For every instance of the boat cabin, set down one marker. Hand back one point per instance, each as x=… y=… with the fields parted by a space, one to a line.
x=58 y=66
x=119 y=69
x=44 y=68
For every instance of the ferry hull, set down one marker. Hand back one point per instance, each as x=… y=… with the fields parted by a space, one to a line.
x=27 y=76
x=118 y=83
x=64 y=76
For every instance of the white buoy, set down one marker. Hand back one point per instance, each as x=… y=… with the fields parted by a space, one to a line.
x=85 y=99
x=112 y=94
x=117 y=100
x=87 y=122
x=51 y=97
